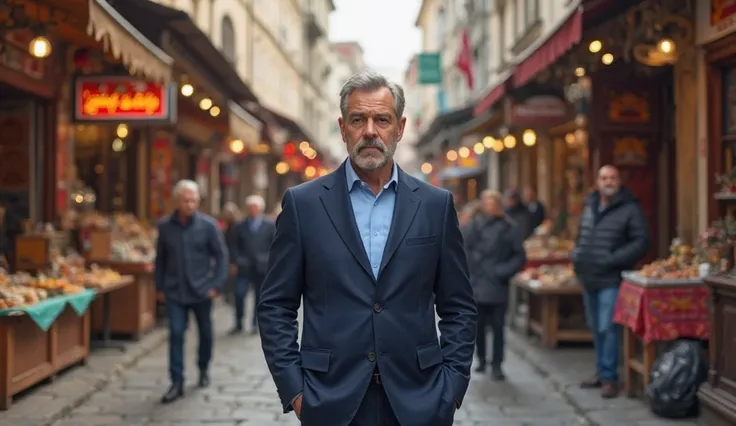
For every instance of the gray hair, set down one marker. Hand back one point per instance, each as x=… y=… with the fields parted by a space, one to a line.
x=185 y=185
x=256 y=200
x=369 y=81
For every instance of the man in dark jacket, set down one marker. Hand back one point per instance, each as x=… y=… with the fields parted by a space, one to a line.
x=537 y=212
x=495 y=252
x=519 y=213
x=191 y=269
x=613 y=237
x=253 y=242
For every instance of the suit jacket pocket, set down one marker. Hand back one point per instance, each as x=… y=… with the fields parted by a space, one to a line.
x=420 y=241
x=429 y=355
x=316 y=359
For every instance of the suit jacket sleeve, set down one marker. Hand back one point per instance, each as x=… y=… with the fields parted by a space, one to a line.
x=218 y=251
x=281 y=294
x=455 y=304
x=159 y=272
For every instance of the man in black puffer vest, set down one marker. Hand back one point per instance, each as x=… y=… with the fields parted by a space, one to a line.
x=612 y=238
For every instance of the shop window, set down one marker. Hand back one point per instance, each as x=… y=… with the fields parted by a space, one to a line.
x=228 y=39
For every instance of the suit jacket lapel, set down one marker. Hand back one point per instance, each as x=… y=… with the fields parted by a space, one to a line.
x=336 y=202
x=405 y=209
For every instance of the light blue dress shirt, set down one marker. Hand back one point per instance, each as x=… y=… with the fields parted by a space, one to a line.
x=373 y=213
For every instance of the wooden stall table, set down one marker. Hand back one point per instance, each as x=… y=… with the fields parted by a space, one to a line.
x=133 y=310
x=39 y=341
x=106 y=291
x=655 y=313
x=515 y=296
x=543 y=312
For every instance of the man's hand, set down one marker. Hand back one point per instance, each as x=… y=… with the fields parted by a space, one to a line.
x=213 y=293
x=298 y=406
x=233 y=270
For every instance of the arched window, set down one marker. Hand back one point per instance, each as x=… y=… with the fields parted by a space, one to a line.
x=228 y=39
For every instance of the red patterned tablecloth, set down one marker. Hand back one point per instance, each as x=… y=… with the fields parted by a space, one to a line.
x=536 y=263
x=664 y=313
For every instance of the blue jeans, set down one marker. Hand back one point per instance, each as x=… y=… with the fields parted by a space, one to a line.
x=599 y=307
x=241 y=291
x=178 y=323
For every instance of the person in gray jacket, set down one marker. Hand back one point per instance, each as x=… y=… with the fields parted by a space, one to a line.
x=191 y=269
x=495 y=250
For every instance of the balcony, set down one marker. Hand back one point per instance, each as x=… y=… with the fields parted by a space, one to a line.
x=314 y=29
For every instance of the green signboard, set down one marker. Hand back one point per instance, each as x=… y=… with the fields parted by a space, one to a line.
x=430 y=68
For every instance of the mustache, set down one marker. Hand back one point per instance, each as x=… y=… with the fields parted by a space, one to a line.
x=371 y=143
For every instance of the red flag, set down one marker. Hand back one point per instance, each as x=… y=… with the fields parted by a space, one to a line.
x=465 y=60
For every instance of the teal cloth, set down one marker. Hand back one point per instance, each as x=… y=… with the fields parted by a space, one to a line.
x=46 y=312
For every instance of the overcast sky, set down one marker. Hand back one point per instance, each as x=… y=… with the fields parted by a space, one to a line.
x=385 y=29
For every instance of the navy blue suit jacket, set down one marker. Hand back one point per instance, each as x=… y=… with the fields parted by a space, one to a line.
x=354 y=323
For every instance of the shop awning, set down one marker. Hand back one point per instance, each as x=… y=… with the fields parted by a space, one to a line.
x=491 y=97
x=443 y=123
x=126 y=43
x=290 y=128
x=550 y=49
x=175 y=32
x=244 y=126
x=100 y=21
x=460 y=172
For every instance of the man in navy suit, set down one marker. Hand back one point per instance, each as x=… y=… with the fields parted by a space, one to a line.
x=372 y=252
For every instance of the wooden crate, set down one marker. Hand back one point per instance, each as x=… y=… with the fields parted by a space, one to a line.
x=133 y=307
x=29 y=355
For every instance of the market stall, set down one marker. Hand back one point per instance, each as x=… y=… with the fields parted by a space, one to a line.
x=45 y=324
x=126 y=245
x=664 y=301
x=554 y=310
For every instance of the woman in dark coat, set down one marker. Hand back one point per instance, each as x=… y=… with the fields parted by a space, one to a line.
x=495 y=251
x=230 y=217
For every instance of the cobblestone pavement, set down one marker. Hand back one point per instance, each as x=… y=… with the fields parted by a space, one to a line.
x=567 y=367
x=242 y=393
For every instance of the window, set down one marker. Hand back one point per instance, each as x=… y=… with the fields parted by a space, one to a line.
x=228 y=39
x=441 y=27
x=531 y=12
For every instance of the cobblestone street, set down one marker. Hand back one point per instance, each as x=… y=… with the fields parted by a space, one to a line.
x=242 y=393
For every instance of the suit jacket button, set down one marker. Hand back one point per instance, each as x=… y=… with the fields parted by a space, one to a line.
x=371 y=356
x=377 y=307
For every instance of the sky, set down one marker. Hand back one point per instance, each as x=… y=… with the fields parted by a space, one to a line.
x=385 y=29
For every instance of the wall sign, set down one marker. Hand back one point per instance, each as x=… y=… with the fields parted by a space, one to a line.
x=714 y=19
x=630 y=151
x=539 y=110
x=123 y=99
x=629 y=108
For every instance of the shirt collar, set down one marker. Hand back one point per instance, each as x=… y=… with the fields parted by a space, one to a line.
x=353 y=178
x=175 y=218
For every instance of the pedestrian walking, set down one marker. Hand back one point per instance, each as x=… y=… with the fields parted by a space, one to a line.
x=253 y=241
x=518 y=212
x=230 y=218
x=537 y=212
x=495 y=249
x=612 y=238
x=190 y=270
x=372 y=252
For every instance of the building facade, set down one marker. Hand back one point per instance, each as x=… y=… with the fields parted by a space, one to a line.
x=279 y=47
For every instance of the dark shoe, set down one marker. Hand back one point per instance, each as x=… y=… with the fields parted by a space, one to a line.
x=481 y=368
x=497 y=374
x=236 y=331
x=254 y=332
x=592 y=383
x=175 y=392
x=204 y=380
x=609 y=390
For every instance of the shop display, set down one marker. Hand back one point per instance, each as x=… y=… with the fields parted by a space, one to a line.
x=117 y=238
x=544 y=246
x=98 y=278
x=550 y=275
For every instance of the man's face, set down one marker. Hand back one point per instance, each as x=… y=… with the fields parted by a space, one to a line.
x=371 y=129
x=187 y=202
x=491 y=207
x=609 y=181
x=254 y=210
x=529 y=195
x=512 y=202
